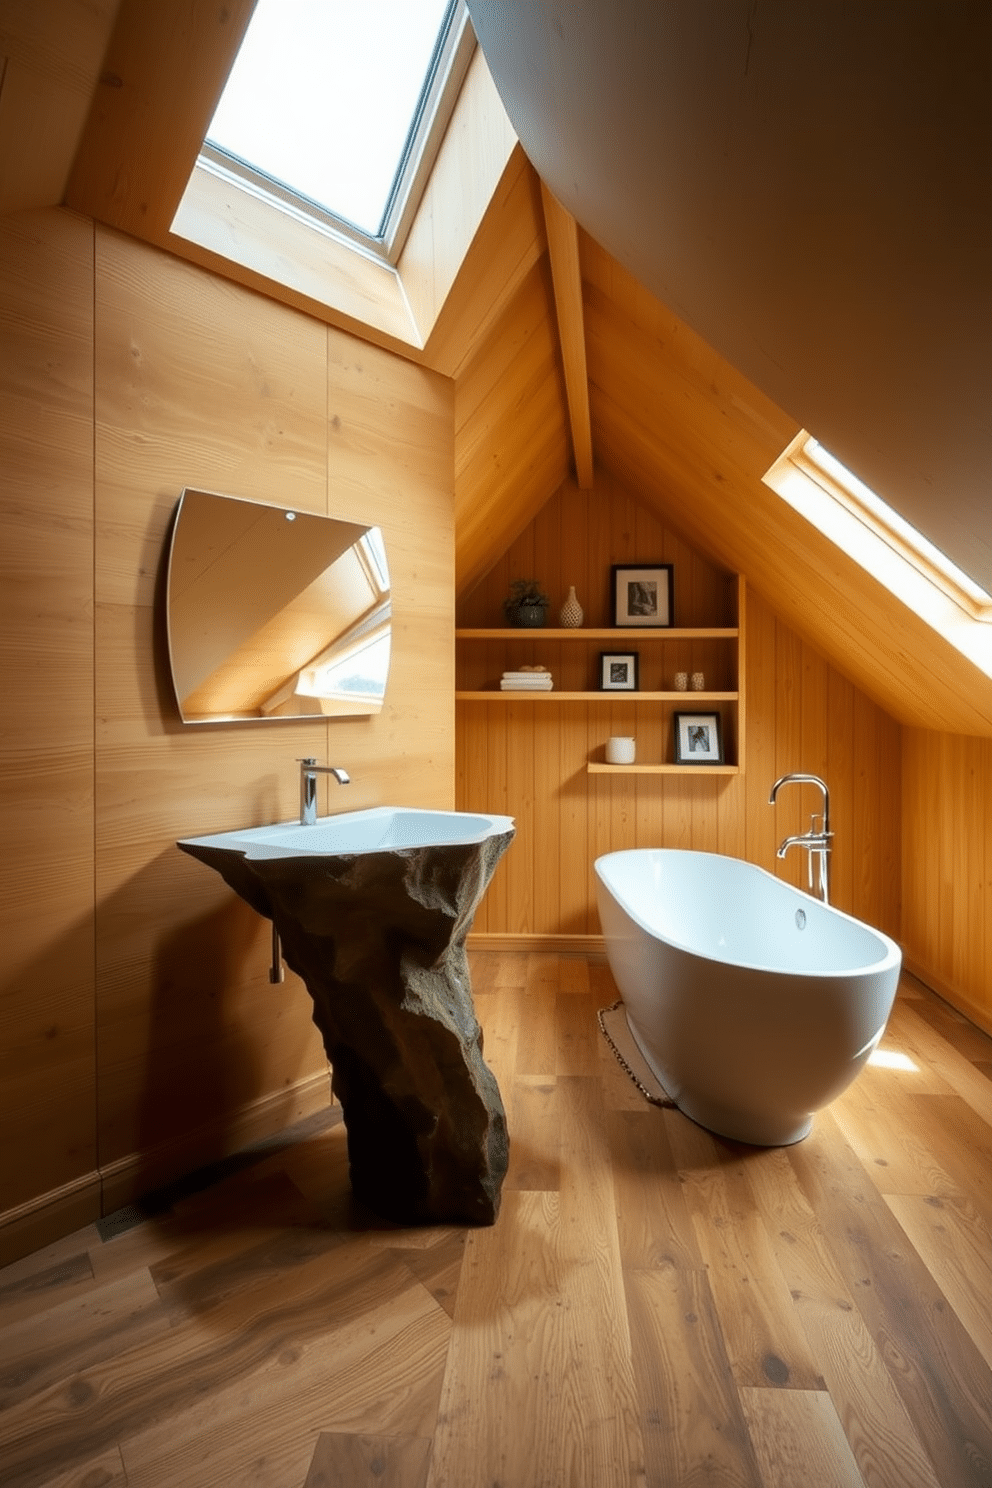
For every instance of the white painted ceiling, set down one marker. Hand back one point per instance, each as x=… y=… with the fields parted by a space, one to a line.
x=809 y=186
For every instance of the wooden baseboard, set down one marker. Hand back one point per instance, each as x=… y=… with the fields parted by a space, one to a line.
x=129 y=1178
x=564 y=945
x=958 y=1000
x=50 y=1216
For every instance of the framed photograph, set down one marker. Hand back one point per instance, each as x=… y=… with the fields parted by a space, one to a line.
x=642 y=594
x=618 y=671
x=697 y=739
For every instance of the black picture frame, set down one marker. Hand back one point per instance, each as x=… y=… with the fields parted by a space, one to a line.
x=698 y=739
x=642 y=594
x=618 y=671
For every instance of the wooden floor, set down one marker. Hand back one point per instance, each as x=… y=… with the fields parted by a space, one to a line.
x=654 y=1306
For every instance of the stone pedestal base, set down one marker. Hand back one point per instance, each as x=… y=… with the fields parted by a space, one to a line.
x=379 y=939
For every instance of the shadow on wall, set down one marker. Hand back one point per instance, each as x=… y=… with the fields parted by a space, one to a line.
x=181 y=1015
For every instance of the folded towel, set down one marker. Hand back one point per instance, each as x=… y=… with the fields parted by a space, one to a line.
x=515 y=685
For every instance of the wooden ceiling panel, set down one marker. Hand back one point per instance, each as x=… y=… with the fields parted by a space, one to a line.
x=692 y=438
x=149 y=117
x=508 y=244
x=50 y=56
x=511 y=430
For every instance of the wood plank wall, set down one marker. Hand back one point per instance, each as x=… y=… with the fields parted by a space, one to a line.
x=47 y=1015
x=135 y=1001
x=529 y=759
x=947 y=867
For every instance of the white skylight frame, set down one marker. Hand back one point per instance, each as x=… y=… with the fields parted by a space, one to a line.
x=867 y=529
x=446 y=72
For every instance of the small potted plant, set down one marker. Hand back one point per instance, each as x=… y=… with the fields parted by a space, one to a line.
x=526 y=604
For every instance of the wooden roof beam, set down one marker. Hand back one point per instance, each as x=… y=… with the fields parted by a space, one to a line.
x=566 y=276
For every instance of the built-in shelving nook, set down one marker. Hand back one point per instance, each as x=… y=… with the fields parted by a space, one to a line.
x=573 y=657
x=541 y=757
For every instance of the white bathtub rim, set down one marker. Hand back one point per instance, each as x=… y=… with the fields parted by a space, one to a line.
x=892 y=953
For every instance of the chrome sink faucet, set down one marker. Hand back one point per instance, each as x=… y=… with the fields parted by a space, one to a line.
x=819 y=837
x=309 y=770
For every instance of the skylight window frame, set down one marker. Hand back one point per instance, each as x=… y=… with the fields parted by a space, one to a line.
x=445 y=74
x=807 y=459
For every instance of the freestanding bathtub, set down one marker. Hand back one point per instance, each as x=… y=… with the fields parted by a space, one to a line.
x=753 y=1004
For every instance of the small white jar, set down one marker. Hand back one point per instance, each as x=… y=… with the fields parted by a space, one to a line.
x=681 y=681
x=620 y=751
x=698 y=683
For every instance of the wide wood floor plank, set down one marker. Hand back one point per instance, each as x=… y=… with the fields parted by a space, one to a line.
x=573 y=974
x=381 y=1372
x=890 y=1132
x=44 y=1349
x=500 y=1416
x=437 y=1267
x=764 y=1339
x=798 y=1439
x=536 y=1048
x=961 y=1075
x=943 y=1380
x=578 y=1037
x=105 y=1471
x=31 y=1293
x=342 y=1461
x=877 y=1424
x=534 y=1149
x=178 y=1373
x=653 y=1222
x=691 y=1419
x=539 y=1388
x=956 y=1246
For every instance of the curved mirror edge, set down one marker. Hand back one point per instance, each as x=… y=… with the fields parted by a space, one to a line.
x=274 y=613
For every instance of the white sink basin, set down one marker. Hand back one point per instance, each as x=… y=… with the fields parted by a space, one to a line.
x=379 y=829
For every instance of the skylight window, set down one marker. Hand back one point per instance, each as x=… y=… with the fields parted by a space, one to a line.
x=871 y=532
x=806 y=463
x=325 y=97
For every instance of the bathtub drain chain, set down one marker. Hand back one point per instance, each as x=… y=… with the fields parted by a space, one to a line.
x=655 y=1100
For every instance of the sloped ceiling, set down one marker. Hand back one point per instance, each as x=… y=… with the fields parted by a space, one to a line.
x=671 y=418
x=809 y=186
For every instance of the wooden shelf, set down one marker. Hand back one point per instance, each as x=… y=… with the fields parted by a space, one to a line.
x=537 y=695
x=605 y=633
x=597 y=769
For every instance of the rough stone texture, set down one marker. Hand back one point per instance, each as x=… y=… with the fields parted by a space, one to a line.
x=379 y=939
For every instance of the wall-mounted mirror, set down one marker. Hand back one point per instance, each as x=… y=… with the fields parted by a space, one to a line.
x=274 y=613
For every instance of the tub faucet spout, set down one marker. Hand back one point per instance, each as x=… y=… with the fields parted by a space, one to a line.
x=309 y=770
x=817 y=841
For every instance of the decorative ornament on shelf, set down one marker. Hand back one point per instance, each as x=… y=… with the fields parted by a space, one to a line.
x=526 y=605
x=621 y=751
x=571 y=614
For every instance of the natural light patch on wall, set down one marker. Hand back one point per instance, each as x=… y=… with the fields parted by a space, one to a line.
x=865 y=527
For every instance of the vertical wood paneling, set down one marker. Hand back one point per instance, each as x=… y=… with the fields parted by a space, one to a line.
x=202 y=383
x=567 y=818
x=947 y=866
x=47 y=1100
x=141 y=1024
x=197 y=383
x=840 y=775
